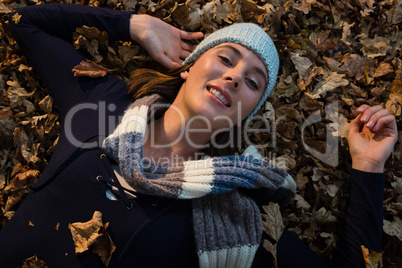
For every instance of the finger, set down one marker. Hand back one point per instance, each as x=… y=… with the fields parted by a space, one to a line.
x=188 y=47
x=166 y=61
x=355 y=124
x=386 y=121
x=369 y=112
x=179 y=61
x=190 y=35
x=372 y=121
x=184 y=54
x=362 y=108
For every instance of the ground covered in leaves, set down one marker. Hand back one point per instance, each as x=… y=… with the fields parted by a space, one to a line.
x=335 y=56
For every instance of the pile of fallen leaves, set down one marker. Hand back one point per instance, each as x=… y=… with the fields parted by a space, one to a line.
x=335 y=55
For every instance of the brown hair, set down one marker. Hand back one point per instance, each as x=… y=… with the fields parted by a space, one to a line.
x=145 y=82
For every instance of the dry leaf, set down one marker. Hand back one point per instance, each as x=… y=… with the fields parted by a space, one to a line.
x=394 y=104
x=225 y=11
x=91 y=69
x=346 y=32
x=383 y=69
x=371 y=258
x=302 y=64
x=104 y=246
x=85 y=233
x=376 y=47
x=17 y=94
x=304 y=6
x=93 y=232
x=16 y=18
x=301 y=203
x=331 y=82
x=46 y=104
x=34 y=262
x=273 y=226
x=393 y=228
x=340 y=126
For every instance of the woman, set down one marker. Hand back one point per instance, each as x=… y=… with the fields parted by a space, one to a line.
x=185 y=213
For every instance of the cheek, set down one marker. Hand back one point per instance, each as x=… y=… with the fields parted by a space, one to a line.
x=252 y=102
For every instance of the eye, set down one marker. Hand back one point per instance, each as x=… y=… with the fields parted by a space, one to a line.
x=252 y=83
x=225 y=60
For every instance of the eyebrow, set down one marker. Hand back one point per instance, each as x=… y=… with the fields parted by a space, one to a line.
x=255 y=68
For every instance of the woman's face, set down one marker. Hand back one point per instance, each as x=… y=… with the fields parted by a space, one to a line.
x=224 y=85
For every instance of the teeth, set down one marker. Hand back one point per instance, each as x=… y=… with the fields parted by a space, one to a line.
x=219 y=96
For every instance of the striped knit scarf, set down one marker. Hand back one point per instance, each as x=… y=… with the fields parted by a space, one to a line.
x=227 y=223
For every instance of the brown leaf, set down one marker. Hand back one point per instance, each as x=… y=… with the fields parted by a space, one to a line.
x=383 y=69
x=304 y=6
x=181 y=14
x=272 y=221
x=302 y=64
x=93 y=232
x=393 y=228
x=104 y=246
x=17 y=94
x=346 y=32
x=371 y=258
x=331 y=82
x=301 y=203
x=324 y=216
x=92 y=33
x=394 y=104
x=271 y=248
x=376 y=47
x=289 y=111
x=16 y=18
x=46 y=104
x=273 y=226
x=85 y=233
x=225 y=11
x=286 y=86
x=308 y=103
x=91 y=69
x=34 y=262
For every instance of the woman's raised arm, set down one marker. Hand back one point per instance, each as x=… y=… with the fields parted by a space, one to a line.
x=162 y=41
x=44 y=34
x=372 y=136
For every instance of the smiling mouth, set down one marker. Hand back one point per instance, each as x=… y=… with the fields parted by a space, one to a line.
x=219 y=96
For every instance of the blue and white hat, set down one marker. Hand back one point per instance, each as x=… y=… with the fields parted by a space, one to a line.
x=251 y=36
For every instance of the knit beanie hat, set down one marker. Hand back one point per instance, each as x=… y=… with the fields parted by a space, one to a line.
x=252 y=37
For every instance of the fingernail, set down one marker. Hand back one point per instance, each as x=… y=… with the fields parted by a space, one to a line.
x=369 y=124
x=365 y=118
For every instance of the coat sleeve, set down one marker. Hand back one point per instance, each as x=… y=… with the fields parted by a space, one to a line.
x=363 y=219
x=44 y=34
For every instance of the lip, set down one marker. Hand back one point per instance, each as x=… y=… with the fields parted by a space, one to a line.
x=223 y=91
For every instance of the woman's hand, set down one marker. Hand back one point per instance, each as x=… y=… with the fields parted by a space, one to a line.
x=162 y=41
x=372 y=146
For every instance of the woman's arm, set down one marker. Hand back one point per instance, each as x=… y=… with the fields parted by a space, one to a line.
x=44 y=34
x=369 y=147
x=363 y=216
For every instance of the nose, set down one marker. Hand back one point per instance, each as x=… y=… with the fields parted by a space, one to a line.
x=233 y=78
